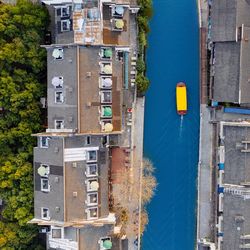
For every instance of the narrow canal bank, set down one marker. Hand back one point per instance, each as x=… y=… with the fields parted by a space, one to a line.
x=172 y=143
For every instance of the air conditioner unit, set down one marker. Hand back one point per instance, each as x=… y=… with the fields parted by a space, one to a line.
x=57 y=209
x=74 y=165
x=56 y=179
x=74 y=194
x=89 y=74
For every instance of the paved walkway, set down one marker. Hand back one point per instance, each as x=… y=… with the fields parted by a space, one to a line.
x=203 y=12
x=205 y=212
x=137 y=144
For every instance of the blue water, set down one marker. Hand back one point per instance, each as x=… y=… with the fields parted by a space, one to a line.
x=172 y=143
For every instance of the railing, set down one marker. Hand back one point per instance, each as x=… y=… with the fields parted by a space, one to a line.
x=63 y=244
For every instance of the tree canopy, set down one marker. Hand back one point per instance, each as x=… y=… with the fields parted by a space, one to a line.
x=144 y=14
x=22 y=78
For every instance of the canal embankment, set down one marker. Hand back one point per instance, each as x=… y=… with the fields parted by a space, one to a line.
x=205 y=207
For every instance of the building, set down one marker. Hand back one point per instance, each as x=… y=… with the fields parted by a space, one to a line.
x=85 y=84
x=90 y=93
x=233 y=218
x=230 y=33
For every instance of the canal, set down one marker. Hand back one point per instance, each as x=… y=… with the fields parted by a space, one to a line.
x=172 y=143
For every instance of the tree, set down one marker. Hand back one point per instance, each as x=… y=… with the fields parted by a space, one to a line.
x=143 y=23
x=140 y=66
x=142 y=83
x=148 y=181
x=22 y=83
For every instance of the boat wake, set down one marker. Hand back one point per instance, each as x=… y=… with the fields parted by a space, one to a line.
x=181 y=127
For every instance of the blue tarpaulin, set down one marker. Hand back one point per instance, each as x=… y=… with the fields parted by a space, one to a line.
x=237 y=111
x=220 y=190
x=220 y=234
x=221 y=166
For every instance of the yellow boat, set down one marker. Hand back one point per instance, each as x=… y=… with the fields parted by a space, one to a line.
x=181 y=98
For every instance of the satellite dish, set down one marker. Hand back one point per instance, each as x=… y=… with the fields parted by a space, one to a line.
x=57 y=81
x=57 y=53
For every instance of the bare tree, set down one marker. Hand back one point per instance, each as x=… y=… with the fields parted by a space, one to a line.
x=148 y=181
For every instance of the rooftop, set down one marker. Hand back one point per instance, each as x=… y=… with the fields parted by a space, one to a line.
x=90 y=236
x=226 y=17
x=90 y=22
x=76 y=171
x=226 y=71
x=236 y=222
x=237 y=162
x=232 y=70
x=95 y=71
x=112 y=32
x=91 y=95
x=236 y=178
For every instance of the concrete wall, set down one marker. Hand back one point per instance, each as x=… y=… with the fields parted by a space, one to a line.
x=81 y=141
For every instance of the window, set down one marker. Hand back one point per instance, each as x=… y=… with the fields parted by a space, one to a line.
x=92 y=199
x=92 y=170
x=92 y=185
x=106 y=96
x=45 y=213
x=44 y=142
x=92 y=156
x=57 y=82
x=57 y=233
x=59 y=124
x=64 y=11
x=58 y=53
x=92 y=213
x=88 y=140
x=65 y=25
x=58 y=97
x=45 y=187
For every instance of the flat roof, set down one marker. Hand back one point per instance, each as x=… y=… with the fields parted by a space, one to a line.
x=91 y=23
x=236 y=217
x=237 y=163
x=85 y=99
x=115 y=37
x=236 y=222
x=245 y=66
x=90 y=235
x=226 y=71
x=226 y=17
x=232 y=70
x=89 y=91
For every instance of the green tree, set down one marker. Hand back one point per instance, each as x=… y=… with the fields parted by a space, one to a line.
x=143 y=23
x=142 y=83
x=22 y=78
x=140 y=66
